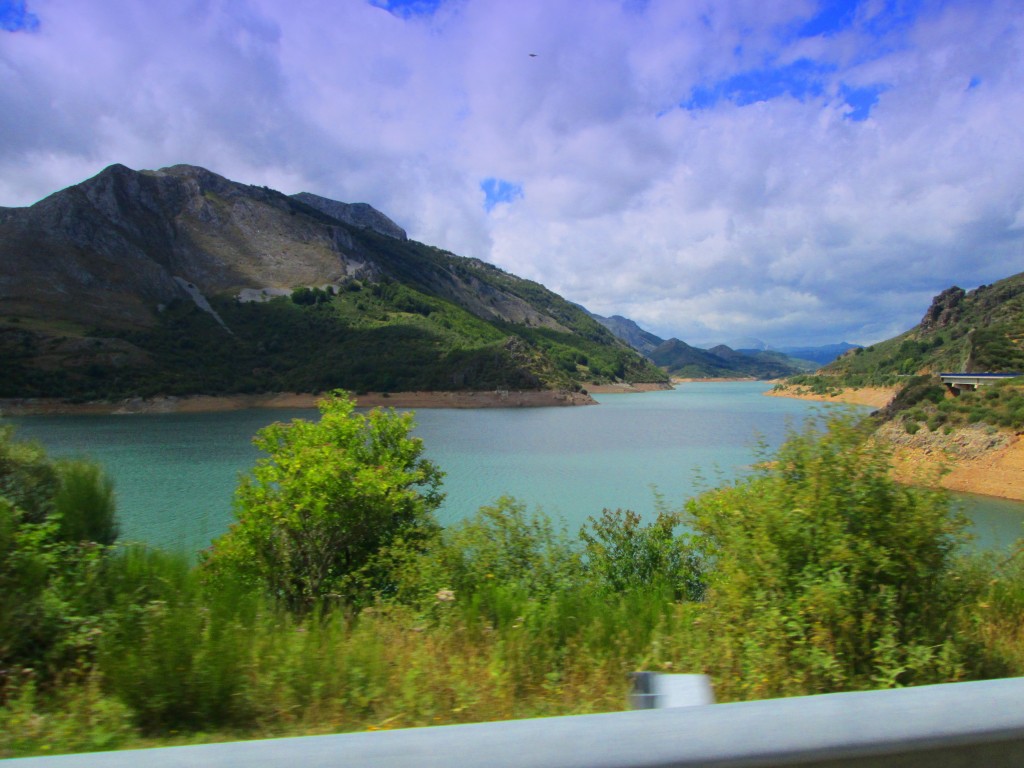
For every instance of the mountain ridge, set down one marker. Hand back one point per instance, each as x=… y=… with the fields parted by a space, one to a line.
x=721 y=361
x=183 y=281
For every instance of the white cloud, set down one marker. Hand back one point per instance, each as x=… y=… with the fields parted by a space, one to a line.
x=782 y=219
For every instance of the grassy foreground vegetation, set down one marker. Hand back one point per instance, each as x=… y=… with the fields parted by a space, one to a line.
x=337 y=603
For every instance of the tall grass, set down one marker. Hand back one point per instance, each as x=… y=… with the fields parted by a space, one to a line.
x=84 y=503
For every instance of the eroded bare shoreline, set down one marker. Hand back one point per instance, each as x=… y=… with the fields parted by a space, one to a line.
x=982 y=461
x=218 y=403
x=545 y=398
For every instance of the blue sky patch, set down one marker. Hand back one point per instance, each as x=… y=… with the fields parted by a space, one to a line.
x=499 y=191
x=802 y=79
x=406 y=9
x=833 y=16
x=861 y=100
x=14 y=17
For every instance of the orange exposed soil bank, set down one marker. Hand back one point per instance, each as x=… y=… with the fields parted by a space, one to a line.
x=976 y=459
x=876 y=397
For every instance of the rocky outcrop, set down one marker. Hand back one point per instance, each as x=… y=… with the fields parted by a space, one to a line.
x=945 y=310
x=643 y=341
x=357 y=214
x=114 y=249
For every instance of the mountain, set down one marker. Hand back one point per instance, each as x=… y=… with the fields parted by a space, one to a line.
x=680 y=359
x=744 y=344
x=980 y=331
x=822 y=355
x=180 y=281
x=628 y=331
x=765 y=363
x=356 y=214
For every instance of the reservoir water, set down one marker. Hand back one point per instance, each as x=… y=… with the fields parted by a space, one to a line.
x=175 y=473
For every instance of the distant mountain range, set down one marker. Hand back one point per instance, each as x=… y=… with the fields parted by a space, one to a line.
x=822 y=355
x=759 y=361
x=180 y=281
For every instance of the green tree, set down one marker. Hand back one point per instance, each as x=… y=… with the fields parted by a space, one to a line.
x=827 y=574
x=314 y=515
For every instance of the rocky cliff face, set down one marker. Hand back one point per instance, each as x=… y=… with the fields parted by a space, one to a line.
x=631 y=333
x=356 y=214
x=114 y=249
x=945 y=310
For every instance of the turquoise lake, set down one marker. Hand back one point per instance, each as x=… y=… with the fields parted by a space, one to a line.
x=175 y=473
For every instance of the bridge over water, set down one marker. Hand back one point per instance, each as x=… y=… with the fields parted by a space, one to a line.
x=958 y=382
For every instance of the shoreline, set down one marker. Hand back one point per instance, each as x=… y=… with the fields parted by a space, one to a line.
x=876 y=397
x=625 y=389
x=530 y=398
x=976 y=461
x=223 y=403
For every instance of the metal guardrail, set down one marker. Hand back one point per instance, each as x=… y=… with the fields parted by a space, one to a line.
x=940 y=726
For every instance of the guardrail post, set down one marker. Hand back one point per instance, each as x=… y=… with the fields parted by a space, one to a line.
x=654 y=690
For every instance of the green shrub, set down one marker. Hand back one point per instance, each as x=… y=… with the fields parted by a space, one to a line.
x=48 y=576
x=501 y=551
x=622 y=554
x=79 y=717
x=84 y=503
x=177 y=654
x=324 y=501
x=827 y=575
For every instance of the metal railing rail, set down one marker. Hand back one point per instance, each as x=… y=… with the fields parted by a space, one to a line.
x=940 y=726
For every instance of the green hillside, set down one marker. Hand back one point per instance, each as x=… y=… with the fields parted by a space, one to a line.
x=682 y=360
x=383 y=336
x=980 y=331
x=181 y=282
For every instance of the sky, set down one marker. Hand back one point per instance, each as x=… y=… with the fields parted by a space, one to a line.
x=799 y=171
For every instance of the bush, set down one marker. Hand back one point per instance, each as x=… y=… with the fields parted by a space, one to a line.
x=622 y=555
x=827 y=575
x=175 y=653
x=50 y=559
x=315 y=513
x=502 y=548
x=80 y=718
x=84 y=503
